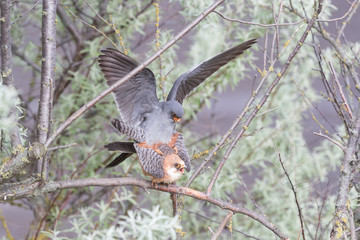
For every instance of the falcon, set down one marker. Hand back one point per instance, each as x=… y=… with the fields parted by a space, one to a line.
x=139 y=106
x=165 y=168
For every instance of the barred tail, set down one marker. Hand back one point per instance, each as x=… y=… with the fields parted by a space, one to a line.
x=134 y=132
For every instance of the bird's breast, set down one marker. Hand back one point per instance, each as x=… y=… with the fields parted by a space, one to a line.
x=158 y=129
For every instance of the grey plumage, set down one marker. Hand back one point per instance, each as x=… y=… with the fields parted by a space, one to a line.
x=137 y=101
x=182 y=152
x=145 y=118
x=151 y=161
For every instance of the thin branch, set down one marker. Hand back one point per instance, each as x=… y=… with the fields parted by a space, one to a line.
x=348 y=109
x=33 y=187
x=61 y=147
x=330 y=92
x=47 y=77
x=250 y=195
x=222 y=225
x=331 y=140
x=350 y=12
x=320 y=212
x=22 y=56
x=295 y=196
x=340 y=18
x=26 y=13
x=264 y=99
x=259 y=24
x=91 y=103
x=69 y=25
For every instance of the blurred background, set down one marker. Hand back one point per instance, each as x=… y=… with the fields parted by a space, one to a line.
x=296 y=109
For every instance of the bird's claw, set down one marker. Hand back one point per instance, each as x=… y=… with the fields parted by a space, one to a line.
x=159 y=152
x=154 y=184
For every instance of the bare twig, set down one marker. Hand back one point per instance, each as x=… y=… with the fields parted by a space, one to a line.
x=265 y=97
x=342 y=17
x=350 y=12
x=348 y=109
x=331 y=94
x=331 y=140
x=47 y=77
x=250 y=195
x=79 y=112
x=89 y=25
x=320 y=213
x=32 y=187
x=61 y=147
x=22 y=56
x=26 y=13
x=295 y=196
x=259 y=24
x=69 y=25
x=222 y=225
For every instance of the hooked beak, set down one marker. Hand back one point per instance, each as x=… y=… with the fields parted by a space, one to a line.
x=181 y=169
x=176 y=119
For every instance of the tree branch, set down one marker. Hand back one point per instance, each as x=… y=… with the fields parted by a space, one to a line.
x=47 y=77
x=70 y=26
x=222 y=225
x=342 y=205
x=6 y=64
x=295 y=196
x=34 y=187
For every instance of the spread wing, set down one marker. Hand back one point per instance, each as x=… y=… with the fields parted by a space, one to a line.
x=190 y=80
x=182 y=152
x=136 y=97
x=151 y=161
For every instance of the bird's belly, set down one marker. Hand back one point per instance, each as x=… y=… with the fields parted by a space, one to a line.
x=168 y=178
x=158 y=133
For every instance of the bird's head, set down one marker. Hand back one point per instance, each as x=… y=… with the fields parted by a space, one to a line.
x=174 y=110
x=180 y=167
x=176 y=165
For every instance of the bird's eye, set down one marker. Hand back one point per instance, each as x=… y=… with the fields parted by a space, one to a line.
x=174 y=115
x=177 y=165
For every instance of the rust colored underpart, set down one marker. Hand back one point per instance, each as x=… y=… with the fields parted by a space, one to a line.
x=173 y=140
x=155 y=146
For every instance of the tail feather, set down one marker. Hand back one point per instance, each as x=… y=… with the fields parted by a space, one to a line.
x=119 y=159
x=126 y=147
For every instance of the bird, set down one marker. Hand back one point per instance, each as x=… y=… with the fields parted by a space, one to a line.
x=166 y=168
x=137 y=101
